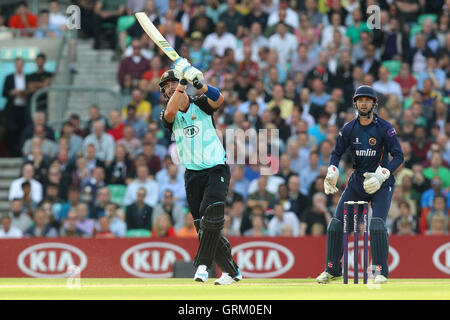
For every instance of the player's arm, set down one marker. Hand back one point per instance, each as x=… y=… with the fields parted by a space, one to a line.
x=342 y=143
x=175 y=102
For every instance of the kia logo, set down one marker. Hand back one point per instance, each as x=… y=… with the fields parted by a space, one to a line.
x=441 y=258
x=152 y=259
x=262 y=259
x=50 y=260
x=393 y=258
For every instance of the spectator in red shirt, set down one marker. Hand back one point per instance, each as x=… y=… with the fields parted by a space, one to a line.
x=155 y=72
x=117 y=125
x=134 y=65
x=163 y=227
x=406 y=81
x=104 y=231
x=23 y=19
x=247 y=65
x=420 y=144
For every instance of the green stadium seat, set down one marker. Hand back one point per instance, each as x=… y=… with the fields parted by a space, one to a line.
x=393 y=66
x=446 y=100
x=423 y=17
x=117 y=193
x=415 y=30
x=138 y=233
x=125 y=22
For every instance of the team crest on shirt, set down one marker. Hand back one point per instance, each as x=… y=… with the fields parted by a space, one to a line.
x=191 y=131
x=372 y=141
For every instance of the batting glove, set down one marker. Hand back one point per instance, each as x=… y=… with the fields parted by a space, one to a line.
x=193 y=73
x=374 y=180
x=181 y=65
x=330 y=181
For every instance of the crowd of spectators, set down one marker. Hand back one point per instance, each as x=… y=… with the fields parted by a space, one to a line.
x=286 y=65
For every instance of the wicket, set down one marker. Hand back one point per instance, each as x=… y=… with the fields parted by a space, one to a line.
x=356 y=204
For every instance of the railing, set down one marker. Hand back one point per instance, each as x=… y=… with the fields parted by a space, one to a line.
x=61 y=105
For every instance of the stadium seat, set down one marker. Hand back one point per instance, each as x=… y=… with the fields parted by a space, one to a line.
x=124 y=23
x=393 y=66
x=415 y=30
x=423 y=17
x=136 y=233
x=117 y=193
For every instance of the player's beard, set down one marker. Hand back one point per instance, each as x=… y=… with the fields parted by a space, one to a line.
x=365 y=114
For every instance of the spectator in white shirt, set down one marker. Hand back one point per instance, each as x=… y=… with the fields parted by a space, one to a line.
x=282 y=219
x=284 y=43
x=19 y=219
x=103 y=142
x=142 y=181
x=8 y=231
x=218 y=41
x=174 y=184
x=291 y=16
x=15 y=190
x=386 y=86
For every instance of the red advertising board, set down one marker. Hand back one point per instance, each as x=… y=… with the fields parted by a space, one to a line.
x=409 y=257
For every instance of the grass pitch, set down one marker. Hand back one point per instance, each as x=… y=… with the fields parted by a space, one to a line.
x=247 y=289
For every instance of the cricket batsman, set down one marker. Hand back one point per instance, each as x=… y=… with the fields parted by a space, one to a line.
x=371 y=139
x=207 y=176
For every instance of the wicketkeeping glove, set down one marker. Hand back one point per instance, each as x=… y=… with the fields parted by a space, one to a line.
x=374 y=180
x=330 y=181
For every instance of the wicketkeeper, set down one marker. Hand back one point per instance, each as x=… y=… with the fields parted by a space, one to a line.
x=371 y=140
x=207 y=175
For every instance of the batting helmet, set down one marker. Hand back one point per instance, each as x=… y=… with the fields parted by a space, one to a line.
x=365 y=91
x=169 y=75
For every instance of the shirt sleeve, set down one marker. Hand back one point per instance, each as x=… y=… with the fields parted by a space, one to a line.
x=342 y=143
x=202 y=103
x=394 y=148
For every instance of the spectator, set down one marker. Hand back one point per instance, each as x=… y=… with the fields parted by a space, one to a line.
x=418 y=54
x=23 y=19
x=233 y=19
x=309 y=174
x=19 y=219
x=139 y=126
x=48 y=148
x=239 y=219
x=421 y=144
x=38 y=80
x=103 y=197
x=284 y=43
x=116 y=225
x=94 y=115
x=72 y=202
x=318 y=213
x=41 y=227
x=432 y=72
x=370 y=63
x=121 y=167
x=75 y=141
x=169 y=205
x=93 y=184
x=163 y=227
x=282 y=219
x=285 y=171
x=142 y=180
x=437 y=169
x=69 y=228
x=17 y=112
x=438 y=225
x=143 y=107
x=45 y=28
x=328 y=31
x=84 y=223
x=15 y=190
x=386 y=86
x=396 y=42
x=406 y=223
x=285 y=105
x=129 y=141
x=188 y=230
x=104 y=229
x=437 y=210
x=134 y=65
x=291 y=16
x=259 y=228
x=218 y=41
x=107 y=12
x=7 y=230
x=103 y=142
x=319 y=130
x=406 y=81
x=116 y=130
